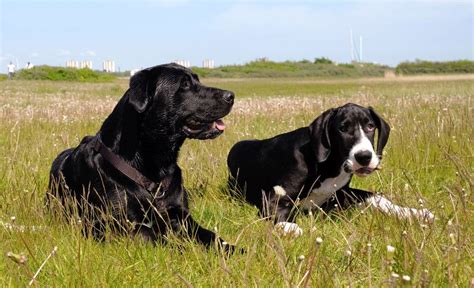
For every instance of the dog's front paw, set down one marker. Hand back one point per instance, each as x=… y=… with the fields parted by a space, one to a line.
x=425 y=215
x=288 y=229
x=229 y=249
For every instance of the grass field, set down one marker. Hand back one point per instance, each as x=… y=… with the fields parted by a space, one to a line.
x=428 y=162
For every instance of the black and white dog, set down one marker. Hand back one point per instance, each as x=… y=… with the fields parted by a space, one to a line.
x=127 y=173
x=314 y=164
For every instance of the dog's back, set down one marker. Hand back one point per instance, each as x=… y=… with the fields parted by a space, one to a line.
x=257 y=165
x=62 y=174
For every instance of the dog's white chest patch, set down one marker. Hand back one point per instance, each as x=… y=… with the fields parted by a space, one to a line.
x=328 y=187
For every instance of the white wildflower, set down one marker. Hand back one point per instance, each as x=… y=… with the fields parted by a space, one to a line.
x=279 y=191
x=452 y=236
x=390 y=249
x=390 y=252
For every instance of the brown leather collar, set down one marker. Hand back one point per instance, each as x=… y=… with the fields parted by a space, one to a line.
x=125 y=168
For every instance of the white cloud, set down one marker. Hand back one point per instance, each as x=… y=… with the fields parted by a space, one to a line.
x=7 y=56
x=257 y=18
x=89 y=53
x=169 y=3
x=64 y=52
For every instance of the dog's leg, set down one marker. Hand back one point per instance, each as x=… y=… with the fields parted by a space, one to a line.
x=284 y=217
x=345 y=198
x=205 y=236
x=350 y=196
x=386 y=206
x=195 y=231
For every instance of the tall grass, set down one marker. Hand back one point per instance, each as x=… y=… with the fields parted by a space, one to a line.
x=428 y=163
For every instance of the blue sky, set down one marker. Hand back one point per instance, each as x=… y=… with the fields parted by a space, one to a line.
x=144 y=33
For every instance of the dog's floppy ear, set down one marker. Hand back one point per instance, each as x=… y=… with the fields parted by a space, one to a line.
x=138 y=93
x=319 y=133
x=384 y=131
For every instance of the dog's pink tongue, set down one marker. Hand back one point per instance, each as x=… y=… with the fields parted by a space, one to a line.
x=219 y=124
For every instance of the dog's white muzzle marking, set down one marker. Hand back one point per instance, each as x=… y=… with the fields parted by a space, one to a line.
x=362 y=145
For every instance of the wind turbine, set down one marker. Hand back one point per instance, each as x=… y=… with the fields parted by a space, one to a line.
x=356 y=54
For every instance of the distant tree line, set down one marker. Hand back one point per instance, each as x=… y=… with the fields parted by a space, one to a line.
x=263 y=67
x=429 y=67
x=320 y=67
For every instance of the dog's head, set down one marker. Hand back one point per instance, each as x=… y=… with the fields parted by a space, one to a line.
x=349 y=131
x=173 y=101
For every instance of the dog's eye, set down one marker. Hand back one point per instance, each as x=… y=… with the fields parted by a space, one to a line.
x=186 y=84
x=370 y=127
x=344 y=128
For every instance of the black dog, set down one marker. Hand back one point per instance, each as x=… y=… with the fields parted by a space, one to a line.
x=128 y=173
x=314 y=164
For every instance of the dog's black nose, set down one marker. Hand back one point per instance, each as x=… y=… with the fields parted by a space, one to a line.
x=363 y=157
x=228 y=97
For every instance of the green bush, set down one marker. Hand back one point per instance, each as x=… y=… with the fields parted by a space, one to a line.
x=3 y=77
x=63 y=74
x=323 y=60
x=428 y=67
x=264 y=68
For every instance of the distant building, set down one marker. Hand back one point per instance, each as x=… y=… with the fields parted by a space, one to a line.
x=108 y=66
x=86 y=64
x=72 y=64
x=184 y=63
x=208 y=63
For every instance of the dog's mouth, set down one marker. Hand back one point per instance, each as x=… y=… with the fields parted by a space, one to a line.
x=358 y=171
x=203 y=130
x=364 y=171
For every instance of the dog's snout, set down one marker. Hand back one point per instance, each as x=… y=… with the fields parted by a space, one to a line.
x=228 y=97
x=363 y=157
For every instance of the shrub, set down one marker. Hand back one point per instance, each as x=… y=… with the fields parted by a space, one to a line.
x=63 y=74
x=323 y=60
x=266 y=68
x=428 y=67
